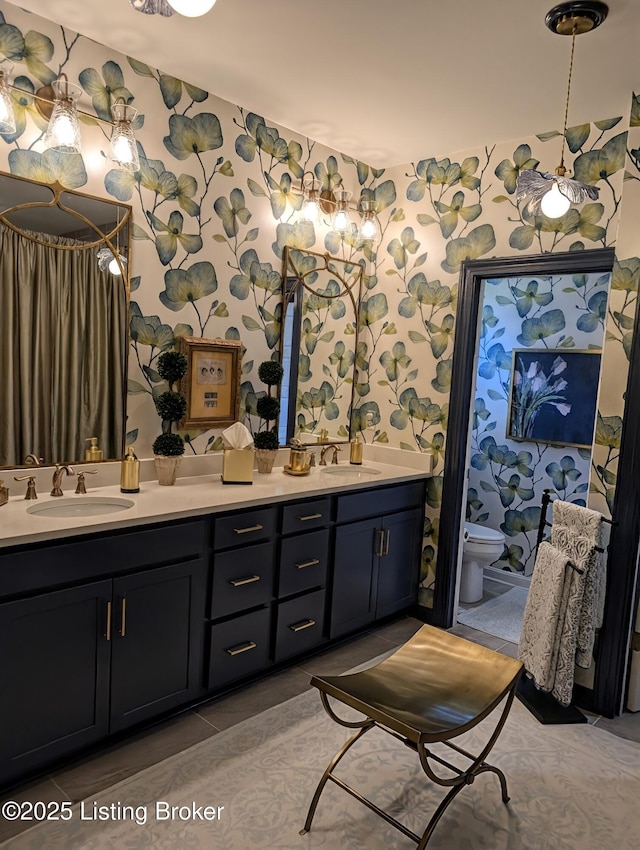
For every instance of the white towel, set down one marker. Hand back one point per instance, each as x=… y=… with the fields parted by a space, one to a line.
x=544 y=616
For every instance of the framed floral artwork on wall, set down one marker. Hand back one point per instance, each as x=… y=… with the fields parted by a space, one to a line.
x=553 y=396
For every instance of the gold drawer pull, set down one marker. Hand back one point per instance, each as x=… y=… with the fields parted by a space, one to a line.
x=123 y=617
x=304 y=624
x=238 y=582
x=256 y=527
x=309 y=516
x=238 y=650
x=385 y=551
x=108 y=632
x=380 y=551
x=304 y=564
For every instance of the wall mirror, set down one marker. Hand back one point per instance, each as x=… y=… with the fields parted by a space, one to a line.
x=319 y=339
x=64 y=296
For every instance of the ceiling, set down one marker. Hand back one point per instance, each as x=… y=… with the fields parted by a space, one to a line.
x=384 y=81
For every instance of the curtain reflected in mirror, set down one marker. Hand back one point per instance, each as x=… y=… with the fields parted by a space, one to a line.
x=63 y=322
x=319 y=341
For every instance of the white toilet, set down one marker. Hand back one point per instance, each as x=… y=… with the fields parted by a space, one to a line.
x=481 y=547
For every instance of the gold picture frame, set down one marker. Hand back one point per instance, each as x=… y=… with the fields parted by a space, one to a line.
x=211 y=384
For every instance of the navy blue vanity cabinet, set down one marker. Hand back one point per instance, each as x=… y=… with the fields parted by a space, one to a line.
x=242 y=592
x=84 y=658
x=376 y=555
x=302 y=577
x=54 y=670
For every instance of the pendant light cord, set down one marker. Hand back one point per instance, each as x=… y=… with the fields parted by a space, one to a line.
x=566 y=109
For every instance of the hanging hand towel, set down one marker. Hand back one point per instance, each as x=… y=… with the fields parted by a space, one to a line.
x=579 y=532
x=544 y=616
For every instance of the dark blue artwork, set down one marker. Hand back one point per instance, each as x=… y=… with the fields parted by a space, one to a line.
x=553 y=396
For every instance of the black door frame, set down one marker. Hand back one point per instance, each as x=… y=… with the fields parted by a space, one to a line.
x=606 y=697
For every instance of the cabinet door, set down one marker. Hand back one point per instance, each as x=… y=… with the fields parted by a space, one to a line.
x=355 y=576
x=158 y=632
x=398 y=570
x=54 y=669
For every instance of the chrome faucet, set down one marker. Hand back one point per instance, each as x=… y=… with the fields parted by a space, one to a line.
x=327 y=448
x=57 y=477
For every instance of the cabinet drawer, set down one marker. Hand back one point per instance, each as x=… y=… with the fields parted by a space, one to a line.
x=303 y=562
x=48 y=565
x=300 y=624
x=238 y=648
x=303 y=516
x=244 y=527
x=242 y=579
x=379 y=502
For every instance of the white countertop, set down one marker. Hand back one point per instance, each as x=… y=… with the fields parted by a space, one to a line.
x=188 y=497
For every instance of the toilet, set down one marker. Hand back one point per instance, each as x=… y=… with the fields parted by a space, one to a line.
x=482 y=546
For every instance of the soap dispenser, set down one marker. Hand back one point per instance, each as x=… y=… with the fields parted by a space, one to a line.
x=355 y=452
x=93 y=453
x=130 y=472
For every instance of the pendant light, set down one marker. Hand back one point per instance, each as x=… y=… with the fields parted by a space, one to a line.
x=192 y=8
x=123 y=150
x=7 y=116
x=553 y=194
x=63 y=132
x=310 y=211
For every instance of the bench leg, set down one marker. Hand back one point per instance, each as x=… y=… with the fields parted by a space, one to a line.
x=327 y=774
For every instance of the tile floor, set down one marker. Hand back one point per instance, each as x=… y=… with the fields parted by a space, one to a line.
x=90 y=775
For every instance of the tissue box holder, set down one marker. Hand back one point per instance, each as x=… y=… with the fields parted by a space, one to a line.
x=237 y=466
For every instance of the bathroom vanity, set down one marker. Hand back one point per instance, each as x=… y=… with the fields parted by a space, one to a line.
x=108 y=622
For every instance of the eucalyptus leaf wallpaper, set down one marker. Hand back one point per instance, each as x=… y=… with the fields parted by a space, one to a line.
x=214 y=205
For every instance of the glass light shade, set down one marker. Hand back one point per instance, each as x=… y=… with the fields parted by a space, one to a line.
x=192 y=8
x=123 y=150
x=369 y=230
x=63 y=132
x=310 y=207
x=113 y=267
x=341 y=220
x=7 y=116
x=554 y=204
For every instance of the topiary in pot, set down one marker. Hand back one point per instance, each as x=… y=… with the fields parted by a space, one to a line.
x=171 y=407
x=268 y=408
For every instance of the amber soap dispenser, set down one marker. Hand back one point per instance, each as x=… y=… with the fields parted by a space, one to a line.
x=130 y=472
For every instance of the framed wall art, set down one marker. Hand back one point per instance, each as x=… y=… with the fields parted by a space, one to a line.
x=553 y=396
x=211 y=384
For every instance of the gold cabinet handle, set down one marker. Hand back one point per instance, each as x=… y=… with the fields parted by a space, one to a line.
x=380 y=551
x=123 y=617
x=238 y=650
x=304 y=624
x=108 y=629
x=304 y=564
x=309 y=516
x=238 y=582
x=256 y=527
x=386 y=545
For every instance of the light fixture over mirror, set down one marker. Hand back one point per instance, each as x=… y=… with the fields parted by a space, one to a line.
x=332 y=207
x=553 y=194
x=58 y=104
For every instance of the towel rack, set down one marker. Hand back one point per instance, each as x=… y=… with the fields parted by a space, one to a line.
x=544 y=522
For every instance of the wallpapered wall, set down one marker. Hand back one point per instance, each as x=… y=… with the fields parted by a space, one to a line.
x=213 y=208
x=506 y=476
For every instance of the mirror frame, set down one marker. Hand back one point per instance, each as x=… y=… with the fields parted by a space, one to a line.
x=294 y=283
x=123 y=221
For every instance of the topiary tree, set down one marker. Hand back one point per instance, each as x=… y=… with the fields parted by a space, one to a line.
x=268 y=407
x=171 y=405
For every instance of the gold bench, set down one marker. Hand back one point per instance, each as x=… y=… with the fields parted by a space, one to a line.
x=431 y=690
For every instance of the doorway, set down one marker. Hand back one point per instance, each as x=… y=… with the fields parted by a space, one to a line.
x=613 y=647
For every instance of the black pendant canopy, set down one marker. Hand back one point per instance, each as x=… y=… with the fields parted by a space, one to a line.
x=576 y=17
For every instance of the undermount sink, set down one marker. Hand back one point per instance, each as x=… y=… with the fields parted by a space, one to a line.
x=351 y=472
x=74 y=506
